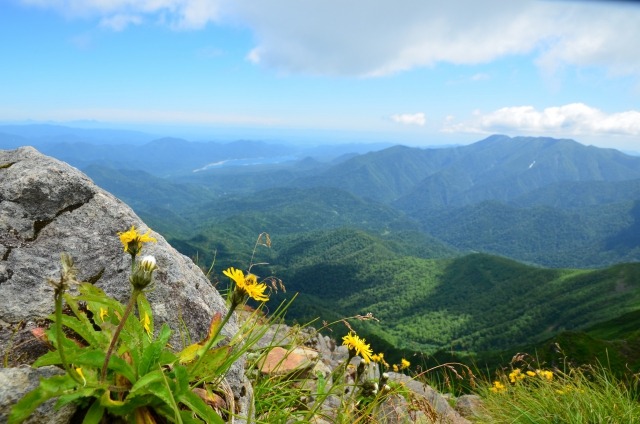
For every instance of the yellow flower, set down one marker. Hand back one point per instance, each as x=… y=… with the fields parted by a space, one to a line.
x=516 y=375
x=395 y=368
x=545 y=374
x=404 y=364
x=146 y=324
x=103 y=313
x=358 y=345
x=132 y=240
x=379 y=358
x=248 y=285
x=531 y=373
x=498 y=387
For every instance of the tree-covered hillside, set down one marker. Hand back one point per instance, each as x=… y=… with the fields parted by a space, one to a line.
x=471 y=303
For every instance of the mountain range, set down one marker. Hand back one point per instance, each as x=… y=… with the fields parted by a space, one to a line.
x=507 y=241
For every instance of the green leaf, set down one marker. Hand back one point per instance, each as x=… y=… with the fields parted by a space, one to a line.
x=49 y=358
x=85 y=329
x=182 y=379
x=197 y=405
x=86 y=392
x=80 y=323
x=127 y=406
x=146 y=380
x=93 y=295
x=48 y=388
x=189 y=418
x=212 y=362
x=94 y=414
x=151 y=354
x=95 y=358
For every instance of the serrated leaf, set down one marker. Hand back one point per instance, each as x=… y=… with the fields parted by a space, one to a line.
x=151 y=354
x=83 y=392
x=85 y=329
x=49 y=358
x=81 y=324
x=48 y=388
x=95 y=358
x=146 y=380
x=92 y=294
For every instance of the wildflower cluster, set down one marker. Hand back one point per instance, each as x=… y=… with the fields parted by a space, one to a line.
x=497 y=387
x=517 y=375
x=121 y=370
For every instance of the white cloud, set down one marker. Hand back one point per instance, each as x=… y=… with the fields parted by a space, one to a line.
x=569 y=120
x=410 y=119
x=117 y=14
x=120 y=22
x=379 y=37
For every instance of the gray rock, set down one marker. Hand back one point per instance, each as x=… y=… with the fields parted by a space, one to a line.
x=435 y=405
x=48 y=207
x=469 y=406
x=17 y=382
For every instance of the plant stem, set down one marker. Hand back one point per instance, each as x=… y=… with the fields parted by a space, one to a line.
x=214 y=336
x=116 y=335
x=58 y=304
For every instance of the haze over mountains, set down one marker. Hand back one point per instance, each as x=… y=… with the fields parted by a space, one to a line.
x=544 y=201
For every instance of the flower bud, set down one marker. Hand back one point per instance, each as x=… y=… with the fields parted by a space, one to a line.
x=141 y=277
x=148 y=263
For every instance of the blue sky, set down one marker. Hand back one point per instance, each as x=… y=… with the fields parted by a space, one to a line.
x=410 y=72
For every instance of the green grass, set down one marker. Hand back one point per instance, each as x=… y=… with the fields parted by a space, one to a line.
x=581 y=395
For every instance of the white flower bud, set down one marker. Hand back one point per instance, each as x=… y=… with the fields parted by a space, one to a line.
x=148 y=263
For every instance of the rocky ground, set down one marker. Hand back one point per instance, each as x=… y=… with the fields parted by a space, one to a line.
x=305 y=356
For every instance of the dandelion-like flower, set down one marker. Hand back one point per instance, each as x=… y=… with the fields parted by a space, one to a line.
x=379 y=358
x=132 y=240
x=247 y=286
x=545 y=374
x=358 y=345
x=497 y=387
x=516 y=375
x=404 y=364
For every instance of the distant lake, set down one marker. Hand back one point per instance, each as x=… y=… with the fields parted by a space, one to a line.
x=247 y=162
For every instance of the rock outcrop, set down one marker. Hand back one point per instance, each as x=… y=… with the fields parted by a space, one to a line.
x=48 y=207
x=305 y=355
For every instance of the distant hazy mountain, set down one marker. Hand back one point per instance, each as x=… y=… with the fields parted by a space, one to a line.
x=119 y=149
x=503 y=168
x=497 y=168
x=43 y=134
x=536 y=199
